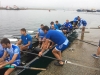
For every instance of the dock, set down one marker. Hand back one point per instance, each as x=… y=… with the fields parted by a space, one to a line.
x=81 y=55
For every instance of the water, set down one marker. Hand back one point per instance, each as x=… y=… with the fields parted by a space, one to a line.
x=11 y=21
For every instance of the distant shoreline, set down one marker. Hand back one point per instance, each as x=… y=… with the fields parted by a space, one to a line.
x=26 y=9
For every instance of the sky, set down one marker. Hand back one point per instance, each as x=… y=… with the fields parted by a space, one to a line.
x=63 y=4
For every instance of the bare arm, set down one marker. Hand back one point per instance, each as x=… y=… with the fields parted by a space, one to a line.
x=19 y=42
x=37 y=35
x=45 y=45
x=52 y=43
x=28 y=44
x=11 y=61
x=4 y=56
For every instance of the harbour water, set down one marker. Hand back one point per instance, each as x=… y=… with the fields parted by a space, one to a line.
x=11 y=21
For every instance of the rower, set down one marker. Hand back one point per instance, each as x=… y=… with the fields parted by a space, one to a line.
x=26 y=40
x=57 y=38
x=14 y=53
x=40 y=35
x=53 y=28
x=80 y=22
x=98 y=52
x=58 y=24
x=52 y=23
x=1 y=51
x=67 y=27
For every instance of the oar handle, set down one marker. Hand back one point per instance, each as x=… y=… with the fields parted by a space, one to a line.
x=33 y=68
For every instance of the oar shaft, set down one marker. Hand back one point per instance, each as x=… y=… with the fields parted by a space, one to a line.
x=23 y=67
x=42 y=56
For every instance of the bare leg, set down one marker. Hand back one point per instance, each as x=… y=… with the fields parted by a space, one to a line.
x=23 y=48
x=57 y=54
x=98 y=51
x=9 y=71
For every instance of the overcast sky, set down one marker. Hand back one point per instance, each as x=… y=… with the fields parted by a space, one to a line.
x=53 y=3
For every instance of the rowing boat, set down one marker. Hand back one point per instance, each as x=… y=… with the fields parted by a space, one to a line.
x=30 y=60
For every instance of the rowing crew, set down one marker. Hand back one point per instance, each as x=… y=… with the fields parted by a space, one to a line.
x=13 y=51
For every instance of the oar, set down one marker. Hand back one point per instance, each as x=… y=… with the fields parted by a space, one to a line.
x=23 y=67
x=66 y=61
x=85 y=41
x=30 y=32
x=42 y=56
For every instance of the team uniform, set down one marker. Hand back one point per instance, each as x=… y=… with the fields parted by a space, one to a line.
x=81 y=22
x=13 y=50
x=41 y=34
x=67 y=26
x=25 y=39
x=58 y=25
x=55 y=26
x=1 y=51
x=58 y=38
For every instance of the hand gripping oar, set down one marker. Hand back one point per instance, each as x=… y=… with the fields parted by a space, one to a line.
x=23 y=67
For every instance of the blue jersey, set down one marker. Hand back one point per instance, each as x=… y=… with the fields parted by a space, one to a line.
x=56 y=36
x=25 y=39
x=81 y=22
x=76 y=19
x=59 y=30
x=58 y=25
x=13 y=50
x=68 y=25
x=1 y=51
x=41 y=33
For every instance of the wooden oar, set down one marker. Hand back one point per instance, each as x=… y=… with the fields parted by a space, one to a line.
x=23 y=67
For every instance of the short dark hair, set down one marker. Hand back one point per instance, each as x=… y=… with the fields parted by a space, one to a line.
x=23 y=29
x=5 y=41
x=56 y=21
x=45 y=28
x=42 y=25
x=78 y=16
x=52 y=23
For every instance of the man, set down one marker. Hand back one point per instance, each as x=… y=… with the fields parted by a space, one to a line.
x=98 y=52
x=1 y=51
x=80 y=22
x=14 y=53
x=52 y=23
x=40 y=35
x=57 y=38
x=67 y=26
x=53 y=28
x=26 y=40
x=58 y=24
